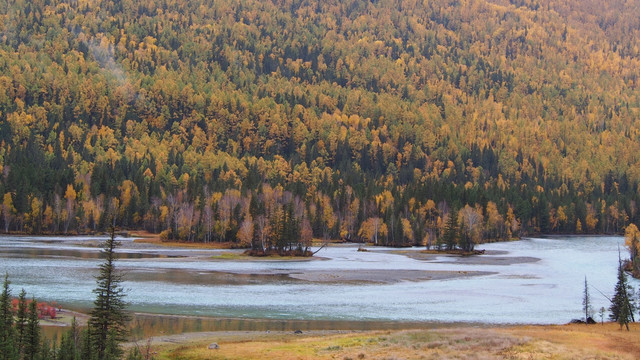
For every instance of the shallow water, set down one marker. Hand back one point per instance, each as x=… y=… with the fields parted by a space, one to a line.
x=529 y=281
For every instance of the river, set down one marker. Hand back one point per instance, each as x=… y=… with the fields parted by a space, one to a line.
x=536 y=280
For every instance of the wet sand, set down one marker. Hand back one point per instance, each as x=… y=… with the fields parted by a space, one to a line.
x=382 y=276
x=488 y=258
x=359 y=276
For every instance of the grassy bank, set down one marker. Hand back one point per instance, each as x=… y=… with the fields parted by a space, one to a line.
x=518 y=342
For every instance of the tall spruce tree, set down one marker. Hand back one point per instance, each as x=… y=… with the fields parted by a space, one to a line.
x=621 y=305
x=451 y=232
x=67 y=349
x=85 y=346
x=70 y=344
x=107 y=325
x=31 y=347
x=21 y=321
x=7 y=336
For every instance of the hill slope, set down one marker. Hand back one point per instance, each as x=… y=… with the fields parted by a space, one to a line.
x=266 y=120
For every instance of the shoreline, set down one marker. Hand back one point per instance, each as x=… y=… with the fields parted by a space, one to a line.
x=231 y=324
x=155 y=323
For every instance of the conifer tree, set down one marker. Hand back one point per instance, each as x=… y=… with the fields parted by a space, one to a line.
x=85 y=349
x=21 y=321
x=32 y=333
x=7 y=345
x=107 y=325
x=66 y=351
x=451 y=231
x=621 y=305
x=69 y=344
x=48 y=349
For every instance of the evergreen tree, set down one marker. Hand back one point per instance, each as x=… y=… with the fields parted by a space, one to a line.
x=69 y=344
x=107 y=325
x=31 y=346
x=67 y=350
x=47 y=350
x=621 y=305
x=451 y=231
x=21 y=321
x=7 y=346
x=586 y=302
x=85 y=349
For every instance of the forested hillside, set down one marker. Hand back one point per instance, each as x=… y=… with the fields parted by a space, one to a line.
x=263 y=121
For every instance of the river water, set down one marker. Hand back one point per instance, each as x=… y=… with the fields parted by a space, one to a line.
x=537 y=280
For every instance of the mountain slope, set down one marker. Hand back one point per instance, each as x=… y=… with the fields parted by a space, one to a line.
x=390 y=110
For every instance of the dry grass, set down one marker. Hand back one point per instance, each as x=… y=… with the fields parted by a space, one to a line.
x=525 y=342
x=416 y=344
x=580 y=341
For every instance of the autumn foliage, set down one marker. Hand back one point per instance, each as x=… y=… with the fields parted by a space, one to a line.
x=45 y=310
x=255 y=121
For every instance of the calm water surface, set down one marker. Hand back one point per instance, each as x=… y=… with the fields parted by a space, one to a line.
x=529 y=281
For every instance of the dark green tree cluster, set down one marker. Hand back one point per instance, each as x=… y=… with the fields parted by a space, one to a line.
x=20 y=337
x=394 y=111
x=451 y=233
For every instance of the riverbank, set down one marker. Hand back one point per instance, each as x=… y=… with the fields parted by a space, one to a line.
x=512 y=342
x=386 y=341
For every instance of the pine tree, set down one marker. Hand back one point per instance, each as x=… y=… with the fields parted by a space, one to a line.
x=7 y=338
x=47 y=350
x=621 y=306
x=67 y=350
x=21 y=320
x=85 y=349
x=586 y=302
x=69 y=344
x=31 y=346
x=107 y=325
x=451 y=231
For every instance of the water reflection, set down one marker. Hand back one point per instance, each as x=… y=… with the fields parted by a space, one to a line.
x=145 y=325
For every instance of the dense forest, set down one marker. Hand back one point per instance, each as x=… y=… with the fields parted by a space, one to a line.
x=271 y=122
